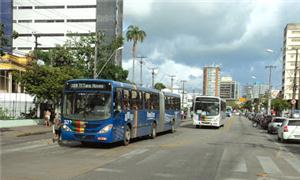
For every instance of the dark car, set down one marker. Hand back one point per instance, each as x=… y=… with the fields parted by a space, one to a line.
x=264 y=122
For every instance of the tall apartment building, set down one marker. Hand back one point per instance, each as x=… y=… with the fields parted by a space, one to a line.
x=53 y=21
x=259 y=90
x=229 y=89
x=211 y=81
x=291 y=46
x=6 y=17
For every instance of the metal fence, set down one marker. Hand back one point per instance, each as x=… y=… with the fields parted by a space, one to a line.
x=18 y=109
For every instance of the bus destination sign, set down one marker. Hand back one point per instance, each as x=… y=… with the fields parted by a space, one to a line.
x=89 y=85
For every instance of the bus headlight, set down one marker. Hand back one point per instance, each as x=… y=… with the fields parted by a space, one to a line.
x=106 y=129
x=66 y=128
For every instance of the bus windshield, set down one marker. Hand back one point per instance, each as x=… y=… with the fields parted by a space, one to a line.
x=87 y=106
x=208 y=107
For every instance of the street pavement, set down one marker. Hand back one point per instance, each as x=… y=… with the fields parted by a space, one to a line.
x=235 y=151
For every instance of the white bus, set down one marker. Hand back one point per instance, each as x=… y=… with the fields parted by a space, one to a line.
x=209 y=111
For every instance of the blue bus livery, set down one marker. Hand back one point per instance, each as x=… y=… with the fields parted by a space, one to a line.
x=107 y=111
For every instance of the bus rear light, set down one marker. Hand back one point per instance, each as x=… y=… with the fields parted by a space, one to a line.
x=285 y=129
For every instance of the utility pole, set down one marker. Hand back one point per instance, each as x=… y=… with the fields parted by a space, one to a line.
x=183 y=81
x=141 y=69
x=98 y=35
x=152 y=69
x=172 y=78
x=270 y=87
x=297 y=54
x=36 y=44
x=295 y=84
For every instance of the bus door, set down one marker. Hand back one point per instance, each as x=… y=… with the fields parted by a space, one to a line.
x=118 y=115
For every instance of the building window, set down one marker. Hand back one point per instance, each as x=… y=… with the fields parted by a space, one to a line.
x=49 y=21
x=81 y=20
x=295 y=32
x=50 y=34
x=49 y=7
x=81 y=6
x=14 y=21
x=24 y=48
x=25 y=21
x=25 y=35
x=25 y=7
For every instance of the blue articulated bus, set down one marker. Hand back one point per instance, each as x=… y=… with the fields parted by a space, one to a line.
x=107 y=111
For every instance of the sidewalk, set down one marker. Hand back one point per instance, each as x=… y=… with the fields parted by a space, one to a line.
x=24 y=131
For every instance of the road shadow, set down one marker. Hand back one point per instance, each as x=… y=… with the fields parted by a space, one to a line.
x=93 y=145
x=191 y=126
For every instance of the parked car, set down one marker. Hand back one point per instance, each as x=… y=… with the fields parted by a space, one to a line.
x=228 y=113
x=275 y=124
x=264 y=122
x=289 y=130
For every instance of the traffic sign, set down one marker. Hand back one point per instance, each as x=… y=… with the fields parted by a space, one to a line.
x=293 y=101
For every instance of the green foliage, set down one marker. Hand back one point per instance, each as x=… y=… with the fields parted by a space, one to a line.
x=46 y=83
x=72 y=60
x=279 y=105
x=135 y=34
x=3 y=39
x=247 y=105
x=159 y=86
x=3 y=114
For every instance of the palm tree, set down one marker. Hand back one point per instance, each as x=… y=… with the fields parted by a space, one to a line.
x=134 y=34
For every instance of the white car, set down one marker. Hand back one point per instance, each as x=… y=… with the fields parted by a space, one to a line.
x=289 y=130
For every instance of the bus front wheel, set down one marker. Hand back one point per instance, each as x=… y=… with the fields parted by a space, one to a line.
x=127 y=135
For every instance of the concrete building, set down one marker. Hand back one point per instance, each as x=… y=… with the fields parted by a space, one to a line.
x=52 y=22
x=6 y=17
x=259 y=90
x=229 y=89
x=211 y=81
x=291 y=46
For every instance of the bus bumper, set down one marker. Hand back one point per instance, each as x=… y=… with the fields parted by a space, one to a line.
x=206 y=123
x=86 y=137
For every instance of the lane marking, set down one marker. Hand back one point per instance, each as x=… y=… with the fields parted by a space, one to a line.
x=295 y=163
x=165 y=175
x=268 y=165
x=241 y=166
x=153 y=157
x=134 y=153
x=109 y=170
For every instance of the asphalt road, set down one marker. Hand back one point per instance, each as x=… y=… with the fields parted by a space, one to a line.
x=236 y=151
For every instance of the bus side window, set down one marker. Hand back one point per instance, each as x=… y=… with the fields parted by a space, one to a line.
x=147 y=101
x=134 y=100
x=118 y=100
x=126 y=102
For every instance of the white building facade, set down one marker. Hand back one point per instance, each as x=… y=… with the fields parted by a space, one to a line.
x=51 y=22
x=291 y=45
x=229 y=89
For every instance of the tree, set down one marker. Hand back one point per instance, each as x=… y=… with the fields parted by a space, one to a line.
x=279 y=105
x=46 y=82
x=159 y=86
x=4 y=41
x=248 y=105
x=135 y=34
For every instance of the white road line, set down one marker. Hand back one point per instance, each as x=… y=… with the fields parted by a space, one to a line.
x=268 y=165
x=295 y=163
x=153 y=157
x=23 y=148
x=134 y=153
x=165 y=175
x=109 y=170
x=240 y=166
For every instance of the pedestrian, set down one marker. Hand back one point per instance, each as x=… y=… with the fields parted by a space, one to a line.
x=56 y=128
x=47 y=115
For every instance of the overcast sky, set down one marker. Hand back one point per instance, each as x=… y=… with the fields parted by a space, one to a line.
x=185 y=35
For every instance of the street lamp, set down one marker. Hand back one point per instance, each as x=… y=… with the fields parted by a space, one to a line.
x=270 y=83
x=98 y=74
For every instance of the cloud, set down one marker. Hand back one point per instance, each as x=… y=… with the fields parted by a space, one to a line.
x=187 y=34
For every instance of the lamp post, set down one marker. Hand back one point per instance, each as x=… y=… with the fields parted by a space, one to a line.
x=98 y=74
